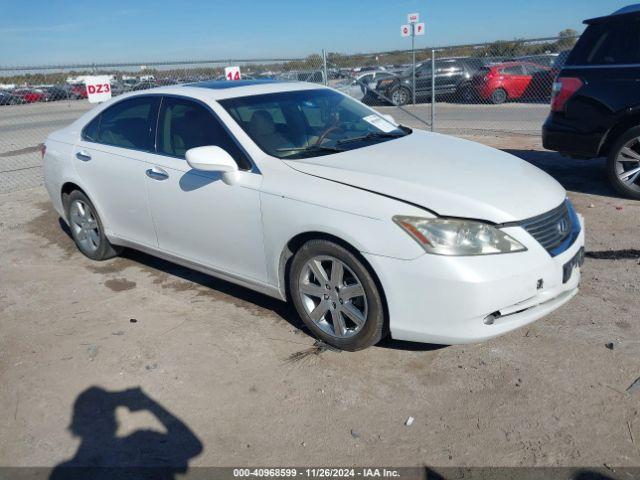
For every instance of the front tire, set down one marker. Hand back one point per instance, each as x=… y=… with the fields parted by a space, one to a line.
x=400 y=96
x=336 y=296
x=87 y=229
x=623 y=164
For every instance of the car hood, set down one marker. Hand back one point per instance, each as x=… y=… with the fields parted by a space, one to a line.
x=447 y=175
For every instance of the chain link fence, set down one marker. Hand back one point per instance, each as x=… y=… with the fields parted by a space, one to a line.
x=494 y=88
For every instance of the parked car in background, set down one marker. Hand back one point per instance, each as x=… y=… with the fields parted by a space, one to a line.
x=31 y=95
x=313 y=76
x=452 y=76
x=300 y=192
x=8 y=98
x=56 y=92
x=78 y=91
x=545 y=59
x=512 y=80
x=144 y=85
x=362 y=87
x=595 y=110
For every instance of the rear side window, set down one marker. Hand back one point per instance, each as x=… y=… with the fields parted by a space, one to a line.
x=184 y=124
x=608 y=43
x=513 y=70
x=533 y=69
x=127 y=124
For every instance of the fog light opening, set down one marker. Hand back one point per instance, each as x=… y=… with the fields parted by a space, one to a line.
x=489 y=319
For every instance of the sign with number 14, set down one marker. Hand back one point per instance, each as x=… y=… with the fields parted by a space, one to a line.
x=232 y=73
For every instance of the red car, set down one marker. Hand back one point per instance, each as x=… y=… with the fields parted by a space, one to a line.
x=78 y=90
x=512 y=80
x=30 y=95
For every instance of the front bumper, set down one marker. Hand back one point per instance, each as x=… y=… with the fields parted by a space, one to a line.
x=452 y=300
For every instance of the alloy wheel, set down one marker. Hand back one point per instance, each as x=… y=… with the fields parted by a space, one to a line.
x=627 y=167
x=86 y=229
x=333 y=296
x=399 y=97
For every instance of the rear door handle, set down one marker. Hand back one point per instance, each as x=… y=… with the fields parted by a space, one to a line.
x=83 y=155
x=157 y=173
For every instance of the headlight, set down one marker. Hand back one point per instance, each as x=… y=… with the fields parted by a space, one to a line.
x=448 y=236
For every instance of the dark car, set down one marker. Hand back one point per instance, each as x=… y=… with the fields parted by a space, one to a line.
x=595 y=110
x=7 y=98
x=453 y=76
x=57 y=93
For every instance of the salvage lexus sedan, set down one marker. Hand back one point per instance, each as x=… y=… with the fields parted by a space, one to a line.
x=304 y=194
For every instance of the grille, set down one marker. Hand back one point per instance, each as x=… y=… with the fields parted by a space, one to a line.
x=551 y=229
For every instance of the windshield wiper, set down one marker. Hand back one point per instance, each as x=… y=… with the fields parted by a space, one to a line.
x=369 y=136
x=310 y=148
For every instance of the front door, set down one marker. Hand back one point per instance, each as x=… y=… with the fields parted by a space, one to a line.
x=197 y=215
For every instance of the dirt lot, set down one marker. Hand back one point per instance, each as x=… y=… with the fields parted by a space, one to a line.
x=247 y=387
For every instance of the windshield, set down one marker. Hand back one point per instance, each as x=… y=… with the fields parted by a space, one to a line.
x=309 y=123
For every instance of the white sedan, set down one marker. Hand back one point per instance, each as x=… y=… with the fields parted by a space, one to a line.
x=302 y=193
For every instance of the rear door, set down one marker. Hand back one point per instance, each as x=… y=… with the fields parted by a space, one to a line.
x=197 y=215
x=111 y=160
x=515 y=80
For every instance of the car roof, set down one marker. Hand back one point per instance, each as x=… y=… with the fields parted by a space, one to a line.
x=222 y=89
x=514 y=64
x=623 y=13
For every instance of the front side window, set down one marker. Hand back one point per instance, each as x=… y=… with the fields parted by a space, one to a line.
x=309 y=123
x=127 y=124
x=184 y=124
x=90 y=132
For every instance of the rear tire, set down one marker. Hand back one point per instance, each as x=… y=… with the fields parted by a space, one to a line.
x=499 y=96
x=336 y=296
x=87 y=229
x=623 y=164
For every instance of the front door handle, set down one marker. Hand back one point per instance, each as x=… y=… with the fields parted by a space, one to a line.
x=83 y=155
x=157 y=173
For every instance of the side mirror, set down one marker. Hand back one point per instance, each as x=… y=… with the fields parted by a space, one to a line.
x=211 y=159
x=390 y=119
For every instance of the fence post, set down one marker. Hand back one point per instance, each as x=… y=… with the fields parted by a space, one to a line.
x=324 y=66
x=433 y=88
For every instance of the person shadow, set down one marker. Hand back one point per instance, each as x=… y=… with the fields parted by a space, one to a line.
x=144 y=454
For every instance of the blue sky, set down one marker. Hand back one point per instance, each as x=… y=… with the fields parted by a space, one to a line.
x=54 y=31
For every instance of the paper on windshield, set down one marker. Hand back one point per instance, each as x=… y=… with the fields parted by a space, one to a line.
x=380 y=123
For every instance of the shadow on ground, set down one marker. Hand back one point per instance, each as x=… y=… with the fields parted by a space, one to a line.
x=142 y=454
x=584 y=176
x=240 y=296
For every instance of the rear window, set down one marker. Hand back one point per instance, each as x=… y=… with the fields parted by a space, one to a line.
x=608 y=43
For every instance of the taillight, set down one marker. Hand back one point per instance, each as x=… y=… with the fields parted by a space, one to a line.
x=43 y=149
x=563 y=89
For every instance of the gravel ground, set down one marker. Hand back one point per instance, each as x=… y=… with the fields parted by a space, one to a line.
x=234 y=380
